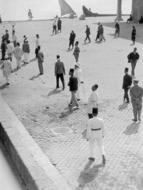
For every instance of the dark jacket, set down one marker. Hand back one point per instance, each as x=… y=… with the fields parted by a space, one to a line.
x=59 y=67
x=127 y=81
x=72 y=37
x=73 y=84
x=133 y=57
x=40 y=57
x=87 y=31
x=26 y=48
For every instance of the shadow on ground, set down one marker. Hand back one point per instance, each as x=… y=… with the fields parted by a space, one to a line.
x=122 y=106
x=34 y=77
x=53 y=92
x=3 y=86
x=132 y=129
x=88 y=174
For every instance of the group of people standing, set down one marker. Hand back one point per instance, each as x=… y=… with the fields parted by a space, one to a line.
x=57 y=25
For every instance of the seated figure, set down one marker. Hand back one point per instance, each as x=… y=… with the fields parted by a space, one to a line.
x=141 y=20
x=130 y=19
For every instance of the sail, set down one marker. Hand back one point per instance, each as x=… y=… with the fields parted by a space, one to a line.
x=65 y=8
x=88 y=13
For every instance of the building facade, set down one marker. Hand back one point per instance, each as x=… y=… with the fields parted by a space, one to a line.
x=137 y=9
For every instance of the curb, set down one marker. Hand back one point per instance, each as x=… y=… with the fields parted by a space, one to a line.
x=32 y=165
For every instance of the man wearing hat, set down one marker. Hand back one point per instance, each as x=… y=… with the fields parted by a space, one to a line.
x=95 y=135
x=133 y=58
x=136 y=93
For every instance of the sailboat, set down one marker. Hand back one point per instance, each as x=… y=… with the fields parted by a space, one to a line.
x=66 y=9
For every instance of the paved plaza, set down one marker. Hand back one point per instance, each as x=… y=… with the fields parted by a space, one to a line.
x=44 y=110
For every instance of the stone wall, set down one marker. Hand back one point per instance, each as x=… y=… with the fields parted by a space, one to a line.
x=31 y=164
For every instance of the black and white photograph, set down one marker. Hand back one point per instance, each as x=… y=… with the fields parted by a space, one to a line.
x=71 y=92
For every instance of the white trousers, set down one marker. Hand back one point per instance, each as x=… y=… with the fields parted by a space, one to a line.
x=18 y=62
x=26 y=57
x=96 y=139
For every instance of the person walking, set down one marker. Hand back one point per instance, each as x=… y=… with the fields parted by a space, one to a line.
x=40 y=59
x=73 y=87
x=18 y=53
x=133 y=58
x=78 y=75
x=14 y=37
x=117 y=29
x=26 y=51
x=59 y=72
x=71 y=39
x=95 y=135
x=98 y=32
x=133 y=35
x=101 y=34
x=6 y=36
x=3 y=48
x=9 y=50
x=87 y=32
x=127 y=82
x=59 y=25
x=76 y=51
x=92 y=100
x=136 y=93
x=54 y=27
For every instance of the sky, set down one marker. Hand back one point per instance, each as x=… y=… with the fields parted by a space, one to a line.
x=46 y=9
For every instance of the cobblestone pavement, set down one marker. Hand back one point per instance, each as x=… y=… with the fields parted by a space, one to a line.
x=45 y=114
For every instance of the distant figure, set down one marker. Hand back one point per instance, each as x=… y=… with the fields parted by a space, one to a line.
x=30 y=14
x=95 y=136
x=18 y=53
x=71 y=39
x=6 y=36
x=92 y=100
x=37 y=43
x=78 y=75
x=14 y=37
x=73 y=87
x=76 y=51
x=54 y=27
x=40 y=59
x=0 y=19
x=59 y=25
x=59 y=72
x=141 y=20
x=98 y=32
x=26 y=51
x=101 y=34
x=6 y=68
x=136 y=94
x=133 y=58
x=117 y=29
x=9 y=50
x=130 y=19
x=133 y=35
x=87 y=32
x=127 y=82
x=3 y=48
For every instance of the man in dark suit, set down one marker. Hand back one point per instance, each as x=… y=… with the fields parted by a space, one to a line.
x=59 y=72
x=127 y=82
x=133 y=58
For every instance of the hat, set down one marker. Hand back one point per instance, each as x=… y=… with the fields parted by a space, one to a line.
x=136 y=81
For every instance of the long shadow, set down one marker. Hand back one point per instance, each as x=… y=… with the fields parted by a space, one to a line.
x=88 y=174
x=66 y=113
x=34 y=77
x=53 y=92
x=122 y=106
x=3 y=86
x=132 y=129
